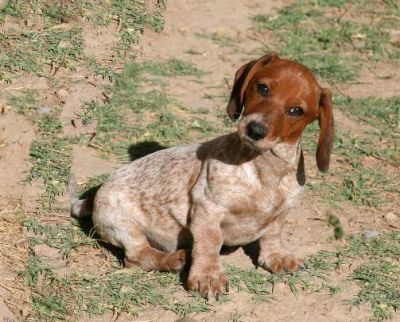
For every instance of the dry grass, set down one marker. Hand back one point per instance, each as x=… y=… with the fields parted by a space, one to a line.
x=14 y=250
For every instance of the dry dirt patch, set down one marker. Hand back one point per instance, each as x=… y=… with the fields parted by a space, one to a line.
x=216 y=37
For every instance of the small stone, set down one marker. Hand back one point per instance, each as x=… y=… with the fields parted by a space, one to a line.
x=393 y=220
x=395 y=37
x=47 y=252
x=44 y=110
x=358 y=44
x=369 y=234
x=62 y=93
x=358 y=41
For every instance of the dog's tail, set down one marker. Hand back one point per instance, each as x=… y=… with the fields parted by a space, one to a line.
x=79 y=207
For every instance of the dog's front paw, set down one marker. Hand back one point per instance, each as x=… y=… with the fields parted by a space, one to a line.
x=208 y=282
x=280 y=261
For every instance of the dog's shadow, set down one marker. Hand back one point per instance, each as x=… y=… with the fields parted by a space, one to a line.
x=137 y=151
x=141 y=149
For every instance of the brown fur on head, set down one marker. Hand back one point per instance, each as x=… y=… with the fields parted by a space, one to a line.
x=276 y=99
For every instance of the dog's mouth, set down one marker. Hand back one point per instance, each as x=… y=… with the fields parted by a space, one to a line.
x=259 y=146
x=248 y=142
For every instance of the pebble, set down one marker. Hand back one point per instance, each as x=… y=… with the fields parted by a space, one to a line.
x=395 y=37
x=392 y=219
x=369 y=234
x=46 y=252
x=44 y=110
x=62 y=93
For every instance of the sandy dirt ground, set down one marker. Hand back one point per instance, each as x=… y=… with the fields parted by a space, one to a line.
x=306 y=231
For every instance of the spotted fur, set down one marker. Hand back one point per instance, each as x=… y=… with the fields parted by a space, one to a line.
x=233 y=190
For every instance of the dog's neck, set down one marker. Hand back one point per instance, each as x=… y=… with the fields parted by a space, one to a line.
x=231 y=149
x=287 y=154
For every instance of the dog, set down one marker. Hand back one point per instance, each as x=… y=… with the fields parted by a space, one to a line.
x=232 y=190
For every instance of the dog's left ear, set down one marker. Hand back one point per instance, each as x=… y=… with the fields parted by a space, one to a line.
x=243 y=77
x=325 y=120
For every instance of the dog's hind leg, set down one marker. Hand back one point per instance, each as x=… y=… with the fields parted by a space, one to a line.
x=150 y=258
x=140 y=253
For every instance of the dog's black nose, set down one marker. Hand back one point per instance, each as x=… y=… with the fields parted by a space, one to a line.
x=256 y=131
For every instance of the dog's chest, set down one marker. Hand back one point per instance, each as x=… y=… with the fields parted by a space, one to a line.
x=253 y=200
x=249 y=189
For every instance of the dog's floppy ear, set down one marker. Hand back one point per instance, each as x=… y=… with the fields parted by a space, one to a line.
x=326 y=126
x=242 y=80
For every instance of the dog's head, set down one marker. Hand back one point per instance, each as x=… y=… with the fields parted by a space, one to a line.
x=276 y=99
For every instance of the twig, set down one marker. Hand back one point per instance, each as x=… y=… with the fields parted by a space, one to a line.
x=227 y=83
x=340 y=91
x=60 y=152
x=5 y=287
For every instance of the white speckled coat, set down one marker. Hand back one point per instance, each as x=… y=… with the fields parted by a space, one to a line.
x=232 y=190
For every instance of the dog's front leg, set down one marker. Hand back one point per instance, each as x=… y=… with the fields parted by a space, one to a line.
x=273 y=256
x=206 y=274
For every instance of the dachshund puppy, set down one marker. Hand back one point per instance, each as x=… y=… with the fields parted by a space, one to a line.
x=232 y=190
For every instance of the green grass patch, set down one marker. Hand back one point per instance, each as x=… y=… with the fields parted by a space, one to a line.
x=64 y=237
x=130 y=291
x=57 y=43
x=380 y=288
x=49 y=11
x=165 y=129
x=133 y=115
x=63 y=47
x=62 y=11
x=382 y=113
x=156 y=20
x=366 y=187
x=377 y=275
x=29 y=51
x=94 y=182
x=354 y=180
x=331 y=3
x=172 y=68
x=105 y=71
x=131 y=17
x=51 y=163
x=50 y=151
x=50 y=154
x=355 y=148
x=116 y=291
x=218 y=39
x=25 y=103
x=334 y=48
x=362 y=186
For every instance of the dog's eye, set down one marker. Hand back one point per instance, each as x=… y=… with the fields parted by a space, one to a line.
x=262 y=89
x=296 y=111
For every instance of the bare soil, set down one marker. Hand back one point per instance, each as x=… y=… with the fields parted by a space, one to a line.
x=306 y=231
